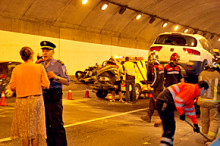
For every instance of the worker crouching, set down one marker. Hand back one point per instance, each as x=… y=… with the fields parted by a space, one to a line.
x=182 y=97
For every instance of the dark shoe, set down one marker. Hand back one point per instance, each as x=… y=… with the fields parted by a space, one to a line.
x=146 y=118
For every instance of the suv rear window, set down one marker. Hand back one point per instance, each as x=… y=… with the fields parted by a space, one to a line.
x=176 y=40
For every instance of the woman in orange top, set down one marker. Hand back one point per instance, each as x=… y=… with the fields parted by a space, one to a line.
x=29 y=115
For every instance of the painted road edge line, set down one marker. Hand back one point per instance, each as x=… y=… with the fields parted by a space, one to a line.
x=88 y=121
x=107 y=117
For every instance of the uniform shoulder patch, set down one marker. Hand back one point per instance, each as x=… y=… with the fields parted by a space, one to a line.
x=60 y=62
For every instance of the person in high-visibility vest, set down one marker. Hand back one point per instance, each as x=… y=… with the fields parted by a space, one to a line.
x=129 y=69
x=210 y=102
x=181 y=96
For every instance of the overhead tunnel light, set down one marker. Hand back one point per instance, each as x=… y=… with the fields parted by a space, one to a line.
x=104 y=6
x=176 y=27
x=84 y=2
x=138 y=16
x=165 y=23
x=186 y=30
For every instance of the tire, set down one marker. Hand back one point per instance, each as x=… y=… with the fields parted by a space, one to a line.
x=138 y=91
x=8 y=91
x=78 y=74
x=204 y=63
x=102 y=93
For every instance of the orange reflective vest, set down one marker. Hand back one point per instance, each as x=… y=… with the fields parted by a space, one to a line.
x=184 y=95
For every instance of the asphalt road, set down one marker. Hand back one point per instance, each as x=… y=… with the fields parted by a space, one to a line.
x=98 y=122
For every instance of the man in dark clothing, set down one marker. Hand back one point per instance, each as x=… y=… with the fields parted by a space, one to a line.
x=57 y=74
x=172 y=71
x=181 y=96
x=157 y=84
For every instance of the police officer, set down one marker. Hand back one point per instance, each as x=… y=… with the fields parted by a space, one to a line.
x=210 y=102
x=57 y=73
x=172 y=71
x=157 y=84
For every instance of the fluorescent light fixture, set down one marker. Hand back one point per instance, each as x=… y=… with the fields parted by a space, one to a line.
x=186 y=30
x=104 y=6
x=84 y=2
x=138 y=16
x=176 y=27
x=165 y=24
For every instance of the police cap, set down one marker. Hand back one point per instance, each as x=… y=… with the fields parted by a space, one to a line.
x=47 y=45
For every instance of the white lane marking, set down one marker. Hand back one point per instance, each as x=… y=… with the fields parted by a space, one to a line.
x=107 y=117
x=88 y=121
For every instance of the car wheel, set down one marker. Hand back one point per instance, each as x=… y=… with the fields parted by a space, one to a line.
x=204 y=63
x=8 y=91
x=138 y=91
x=102 y=93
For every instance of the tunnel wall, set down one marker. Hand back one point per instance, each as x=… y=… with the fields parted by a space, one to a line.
x=75 y=54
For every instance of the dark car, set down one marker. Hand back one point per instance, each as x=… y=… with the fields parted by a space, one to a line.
x=6 y=68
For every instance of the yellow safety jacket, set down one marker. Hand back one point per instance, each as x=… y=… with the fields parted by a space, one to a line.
x=129 y=68
x=212 y=77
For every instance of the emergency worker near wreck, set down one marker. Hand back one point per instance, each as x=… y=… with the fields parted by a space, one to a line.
x=129 y=69
x=210 y=102
x=181 y=96
x=57 y=74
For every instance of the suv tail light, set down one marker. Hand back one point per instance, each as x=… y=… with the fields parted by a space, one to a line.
x=191 y=51
x=156 y=48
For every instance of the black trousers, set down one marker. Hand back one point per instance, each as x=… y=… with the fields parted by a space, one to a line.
x=167 y=116
x=56 y=135
x=152 y=103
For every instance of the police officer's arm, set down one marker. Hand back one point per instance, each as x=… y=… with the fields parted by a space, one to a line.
x=59 y=79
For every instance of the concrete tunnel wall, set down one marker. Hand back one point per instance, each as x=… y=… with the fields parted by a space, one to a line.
x=76 y=55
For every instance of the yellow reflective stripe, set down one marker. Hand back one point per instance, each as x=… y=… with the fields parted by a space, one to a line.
x=210 y=100
x=212 y=134
x=215 y=88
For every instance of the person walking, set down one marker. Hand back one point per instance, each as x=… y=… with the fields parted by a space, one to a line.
x=129 y=70
x=210 y=102
x=172 y=71
x=181 y=96
x=57 y=74
x=27 y=80
x=157 y=84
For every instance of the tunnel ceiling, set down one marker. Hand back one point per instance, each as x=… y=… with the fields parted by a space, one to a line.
x=201 y=15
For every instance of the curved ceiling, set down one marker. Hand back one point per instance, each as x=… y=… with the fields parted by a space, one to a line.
x=202 y=15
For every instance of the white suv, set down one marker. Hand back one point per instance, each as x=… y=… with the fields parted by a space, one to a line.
x=194 y=50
